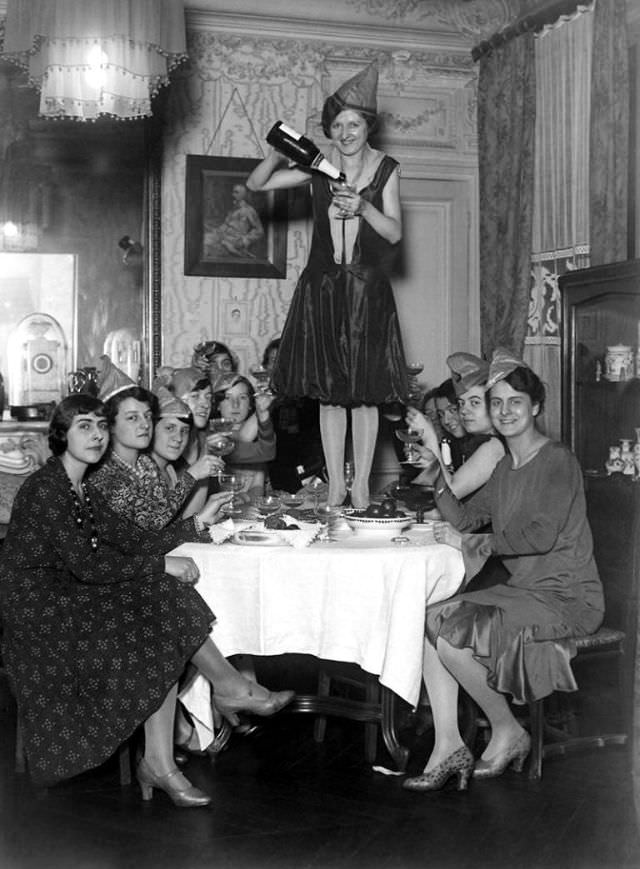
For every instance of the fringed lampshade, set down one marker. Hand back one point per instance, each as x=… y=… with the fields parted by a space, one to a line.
x=95 y=57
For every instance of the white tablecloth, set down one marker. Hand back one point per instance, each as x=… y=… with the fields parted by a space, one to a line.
x=359 y=601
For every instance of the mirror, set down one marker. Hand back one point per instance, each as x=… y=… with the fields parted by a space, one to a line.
x=73 y=193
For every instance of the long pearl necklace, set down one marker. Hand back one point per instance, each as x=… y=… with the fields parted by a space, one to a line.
x=79 y=513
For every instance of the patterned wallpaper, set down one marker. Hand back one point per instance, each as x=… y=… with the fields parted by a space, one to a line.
x=223 y=104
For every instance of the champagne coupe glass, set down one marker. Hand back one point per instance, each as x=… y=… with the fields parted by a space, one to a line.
x=339 y=186
x=291 y=499
x=409 y=436
x=261 y=375
x=267 y=505
x=415 y=392
x=220 y=441
x=231 y=483
x=316 y=487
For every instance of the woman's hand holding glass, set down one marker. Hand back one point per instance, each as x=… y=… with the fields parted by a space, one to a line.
x=417 y=420
x=263 y=400
x=346 y=199
x=212 y=511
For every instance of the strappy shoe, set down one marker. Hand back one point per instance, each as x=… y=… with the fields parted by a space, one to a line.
x=459 y=763
x=515 y=755
x=189 y=797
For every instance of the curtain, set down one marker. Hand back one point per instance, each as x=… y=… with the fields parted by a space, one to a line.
x=609 y=133
x=95 y=57
x=561 y=191
x=506 y=116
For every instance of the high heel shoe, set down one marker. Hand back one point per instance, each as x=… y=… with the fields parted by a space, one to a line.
x=515 y=754
x=189 y=797
x=459 y=763
x=273 y=702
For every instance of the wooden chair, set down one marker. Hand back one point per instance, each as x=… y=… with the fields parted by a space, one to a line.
x=606 y=644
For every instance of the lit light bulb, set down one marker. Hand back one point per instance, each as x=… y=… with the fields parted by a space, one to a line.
x=10 y=230
x=97 y=60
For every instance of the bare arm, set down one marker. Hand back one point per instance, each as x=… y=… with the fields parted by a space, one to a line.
x=273 y=173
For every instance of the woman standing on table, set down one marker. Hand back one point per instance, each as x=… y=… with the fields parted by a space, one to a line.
x=341 y=341
x=99 y=621
x=504 y=640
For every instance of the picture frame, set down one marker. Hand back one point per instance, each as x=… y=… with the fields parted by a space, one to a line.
x=229 y=230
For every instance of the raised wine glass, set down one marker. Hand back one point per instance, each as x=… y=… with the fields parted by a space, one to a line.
x=261 y=375
x=220 y=440
x=410 y=436
x=415 y=391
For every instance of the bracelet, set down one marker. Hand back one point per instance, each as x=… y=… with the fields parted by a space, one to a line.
x=200 y=526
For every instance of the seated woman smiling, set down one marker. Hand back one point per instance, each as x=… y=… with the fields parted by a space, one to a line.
x=501 y=643
x=469 y=375
x=99 y=621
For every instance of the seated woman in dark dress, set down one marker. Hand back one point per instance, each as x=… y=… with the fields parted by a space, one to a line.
x=503 y=641
x=99 y=621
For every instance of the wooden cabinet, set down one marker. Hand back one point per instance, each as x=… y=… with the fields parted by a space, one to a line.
x=601 y=309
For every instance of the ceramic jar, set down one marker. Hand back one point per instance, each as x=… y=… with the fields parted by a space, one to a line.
x=614 y=464
x=618 y=362
x=626 y=454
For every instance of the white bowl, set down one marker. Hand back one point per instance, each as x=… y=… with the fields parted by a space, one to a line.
x=389 y=525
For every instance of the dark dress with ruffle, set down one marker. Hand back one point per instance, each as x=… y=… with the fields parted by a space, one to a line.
x=341 y=341
x=519 y=630
x=92 y=641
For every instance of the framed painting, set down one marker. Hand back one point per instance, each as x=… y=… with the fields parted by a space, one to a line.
x=229 y=230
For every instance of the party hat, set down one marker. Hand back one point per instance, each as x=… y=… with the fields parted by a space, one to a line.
x=170 y=405
x=111 y=379
x=467 y=371
x=360 y=91
x=503 y=362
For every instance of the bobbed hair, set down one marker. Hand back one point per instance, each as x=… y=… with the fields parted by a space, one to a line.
x=332 y=108
x=64 y=414
x=523 y=379
x=274 y=344
x=219 y=396
x=145 y=396
x=446 y=390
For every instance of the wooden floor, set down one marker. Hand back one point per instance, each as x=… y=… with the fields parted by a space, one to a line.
x=281 y=801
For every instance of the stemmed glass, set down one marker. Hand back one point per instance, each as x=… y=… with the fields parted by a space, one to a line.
x=231 y=483
x=415 y=392
x=220 y=442
x=316 y=487
x=267 y=505
x=339 y=186
x=409 y=436
x=261 y=375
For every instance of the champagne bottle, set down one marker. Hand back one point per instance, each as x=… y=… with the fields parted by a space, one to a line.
x=300 y=149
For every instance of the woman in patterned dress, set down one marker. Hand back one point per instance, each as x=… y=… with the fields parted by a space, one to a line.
x=341 y=341
x=129 y=478
x=99 y=622
x=504 y=640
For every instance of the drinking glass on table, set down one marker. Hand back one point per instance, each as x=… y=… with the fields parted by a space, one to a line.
x=267 y=505
x=231 y=483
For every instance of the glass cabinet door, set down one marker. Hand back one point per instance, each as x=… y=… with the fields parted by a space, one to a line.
x=601 y=365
